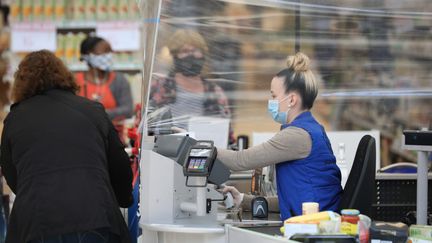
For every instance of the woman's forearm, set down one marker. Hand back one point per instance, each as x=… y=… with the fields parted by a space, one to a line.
x=289 y=144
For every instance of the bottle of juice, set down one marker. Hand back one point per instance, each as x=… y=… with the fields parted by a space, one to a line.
x=27 y=13
x=70 y=48
x=60 y=51
x=59 y=11
x=124 y=12
x=113 y=9
x=15 y=11
x=38 y=7
x=102 y=10
x=90 y=9
x=49 y=9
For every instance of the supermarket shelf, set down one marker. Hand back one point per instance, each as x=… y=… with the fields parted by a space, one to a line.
x=118 y=67
x=75 y=24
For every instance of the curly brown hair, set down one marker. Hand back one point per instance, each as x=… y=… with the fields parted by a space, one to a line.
x=40 y=71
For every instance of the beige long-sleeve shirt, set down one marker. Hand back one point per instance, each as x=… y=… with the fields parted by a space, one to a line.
x=288 y=144
x=291 y=143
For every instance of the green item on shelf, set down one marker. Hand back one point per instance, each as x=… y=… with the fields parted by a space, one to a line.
x=422 y=231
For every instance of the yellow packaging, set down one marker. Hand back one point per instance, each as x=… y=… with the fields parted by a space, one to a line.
x=59 y=9
x=38 y=8
x=76 y=48
x=78 y=39
x=27 y=13
x=348 y=228
x=60 y=51
x=312 y=218
x=15 y=11
x=49 y=9
x=70 y=48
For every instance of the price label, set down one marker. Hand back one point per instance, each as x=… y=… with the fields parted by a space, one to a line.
x=122 y=35
x=27 y=37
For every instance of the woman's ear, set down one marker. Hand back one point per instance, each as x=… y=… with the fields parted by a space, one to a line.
x=291 y=101
x=295 y=99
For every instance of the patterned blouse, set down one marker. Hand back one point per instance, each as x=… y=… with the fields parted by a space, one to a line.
x=163 y=92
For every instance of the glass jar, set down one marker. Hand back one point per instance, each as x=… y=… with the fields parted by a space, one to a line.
x=349 y=221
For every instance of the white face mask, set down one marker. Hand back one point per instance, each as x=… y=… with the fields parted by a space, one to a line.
x=102 y=62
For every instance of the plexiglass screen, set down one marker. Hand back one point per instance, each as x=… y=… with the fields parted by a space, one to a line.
x=209 y=65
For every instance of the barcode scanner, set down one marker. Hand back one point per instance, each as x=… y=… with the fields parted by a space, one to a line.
x=259 y=208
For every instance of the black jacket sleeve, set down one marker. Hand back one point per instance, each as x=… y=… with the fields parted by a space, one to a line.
x=119 y=169
x=8 y=169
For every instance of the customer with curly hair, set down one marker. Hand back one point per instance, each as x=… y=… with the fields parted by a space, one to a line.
x=63 y=159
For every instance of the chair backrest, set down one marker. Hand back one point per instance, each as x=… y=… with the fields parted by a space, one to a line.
x=360 y=189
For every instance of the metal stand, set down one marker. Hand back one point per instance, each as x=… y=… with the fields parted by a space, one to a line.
x=420 y=141
x=422 y=187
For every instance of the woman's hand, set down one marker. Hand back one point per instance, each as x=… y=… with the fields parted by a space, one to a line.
x=237 y=196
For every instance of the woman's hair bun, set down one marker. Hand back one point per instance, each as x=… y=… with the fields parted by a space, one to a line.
x=298 y=62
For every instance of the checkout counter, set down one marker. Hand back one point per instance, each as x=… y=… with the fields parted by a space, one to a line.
x=180 y=201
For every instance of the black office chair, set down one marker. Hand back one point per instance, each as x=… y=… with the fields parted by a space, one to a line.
x=360 y=189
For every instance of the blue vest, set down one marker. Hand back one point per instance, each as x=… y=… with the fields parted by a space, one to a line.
x=315 y=178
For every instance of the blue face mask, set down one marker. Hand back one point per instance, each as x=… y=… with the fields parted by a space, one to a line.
x=273 y=109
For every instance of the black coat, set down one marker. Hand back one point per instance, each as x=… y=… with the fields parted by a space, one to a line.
x=63 y=159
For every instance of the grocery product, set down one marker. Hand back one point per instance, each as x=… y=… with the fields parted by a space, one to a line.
x=113 y=9
x=310 y=207
x=312 y=218
x=90 y=9
x=59 y=9
x=27 y=13
x=38 y=8
x=384 y=231
x=15 y=11
x=424 y=231
x=60 y=51
x=293 y=228
x=48 y=11
x=70 y=48
x=102 y=9
x=349 y=221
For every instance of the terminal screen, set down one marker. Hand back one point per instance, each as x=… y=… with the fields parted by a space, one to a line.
x=197 y=164
x=200 y=152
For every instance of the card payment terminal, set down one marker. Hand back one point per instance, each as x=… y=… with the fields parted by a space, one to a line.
x=199 y=161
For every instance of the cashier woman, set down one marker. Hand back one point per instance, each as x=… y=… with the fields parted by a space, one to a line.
x=306 y=168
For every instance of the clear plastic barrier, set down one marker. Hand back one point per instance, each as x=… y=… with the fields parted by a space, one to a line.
x=373 y=59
